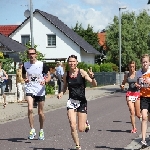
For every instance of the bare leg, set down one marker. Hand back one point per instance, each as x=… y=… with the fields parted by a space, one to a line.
x=72 y=120
x=41 y=113
x=132 y=112
x=30 y=110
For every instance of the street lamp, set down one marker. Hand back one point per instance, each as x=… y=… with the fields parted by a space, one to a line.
x=120 y=42
x=28 y=13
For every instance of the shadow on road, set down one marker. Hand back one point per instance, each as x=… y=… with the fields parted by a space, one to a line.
x=128 y=131
x=108 y=147
x=46 y=149
x=117 y=121
x=128 y=122
x=14 y=139
x=24 y=106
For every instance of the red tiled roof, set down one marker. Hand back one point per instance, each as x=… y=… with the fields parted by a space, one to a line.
x=102 y=40
x=7 y=29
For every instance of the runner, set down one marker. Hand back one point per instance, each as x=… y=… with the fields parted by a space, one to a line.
x=77 y=104
x=144 y=85
x=133 y=94
x=33 y=73
x=3 y=78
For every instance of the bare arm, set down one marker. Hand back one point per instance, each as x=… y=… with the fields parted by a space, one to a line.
x=124 y=80
x=90 y=78
x=24 y=74
x=6 y=75
x=48 y=77
x=63 y=91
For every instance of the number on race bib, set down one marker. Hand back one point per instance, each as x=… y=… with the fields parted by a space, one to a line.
x=33 y=79
x=133 y=98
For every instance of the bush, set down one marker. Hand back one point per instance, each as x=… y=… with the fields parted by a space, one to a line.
x=108 y=67
x=49 y=89
x=95 y=67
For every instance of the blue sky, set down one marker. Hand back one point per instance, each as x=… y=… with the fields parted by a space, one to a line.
x=98 y=13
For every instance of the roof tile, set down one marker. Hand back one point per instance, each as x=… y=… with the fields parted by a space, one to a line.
x=7 y=29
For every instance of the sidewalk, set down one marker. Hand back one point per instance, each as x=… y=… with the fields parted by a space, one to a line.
x=136 y=143
x=14 y=111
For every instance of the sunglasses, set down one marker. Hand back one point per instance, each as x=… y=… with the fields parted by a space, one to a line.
x=31 y=53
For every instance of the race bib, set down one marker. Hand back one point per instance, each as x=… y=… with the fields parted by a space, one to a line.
x=73 y=104
x=141 y=82
x=133 y=98
x=35 y=78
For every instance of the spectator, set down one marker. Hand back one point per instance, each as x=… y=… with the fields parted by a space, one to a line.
x=59 y=76
x=20 y=84
x=3 y=78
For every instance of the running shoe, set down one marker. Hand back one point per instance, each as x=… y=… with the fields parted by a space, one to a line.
x=87 y=127
x=134 y=130
x=78 y=147
x=144 y=144
x=32 y=134
x=41 y=135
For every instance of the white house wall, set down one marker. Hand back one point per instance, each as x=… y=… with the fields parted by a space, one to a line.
x=87 y=58
x=64 y=45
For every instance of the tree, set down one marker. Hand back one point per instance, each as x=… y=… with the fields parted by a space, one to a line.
x=135 y=38
x=87 y=34
x=23 y=56
x=7 y=63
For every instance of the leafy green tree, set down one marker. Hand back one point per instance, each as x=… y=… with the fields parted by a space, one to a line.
x=23 y=56
x=7 y=63
x=87 y=34
x=135 y=38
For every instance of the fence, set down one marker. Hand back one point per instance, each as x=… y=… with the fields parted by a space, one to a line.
x=105 y=78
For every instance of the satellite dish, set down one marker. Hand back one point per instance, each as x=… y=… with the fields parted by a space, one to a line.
x=27 y=13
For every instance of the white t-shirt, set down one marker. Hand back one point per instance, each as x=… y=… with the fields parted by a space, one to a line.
x=35 y=74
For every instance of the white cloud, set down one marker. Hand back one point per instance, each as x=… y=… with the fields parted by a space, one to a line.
x=93 y=2
x=102 y=2
x=98 y=16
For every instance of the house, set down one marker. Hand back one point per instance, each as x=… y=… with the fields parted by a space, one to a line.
x=102 y=40
x=54 y=38
x=7 y=29
x=10 y=47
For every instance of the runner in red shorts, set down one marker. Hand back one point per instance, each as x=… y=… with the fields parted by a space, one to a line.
x=132 y=95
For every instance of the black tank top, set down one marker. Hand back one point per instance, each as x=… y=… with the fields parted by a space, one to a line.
x=76 y=87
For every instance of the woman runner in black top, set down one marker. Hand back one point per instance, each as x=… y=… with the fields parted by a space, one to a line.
x=77 y=104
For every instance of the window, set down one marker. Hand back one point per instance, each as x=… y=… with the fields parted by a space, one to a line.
x=51 y=40
x=25 y=39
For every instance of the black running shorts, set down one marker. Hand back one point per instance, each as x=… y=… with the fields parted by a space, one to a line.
x=145 y=103
x=36 y=98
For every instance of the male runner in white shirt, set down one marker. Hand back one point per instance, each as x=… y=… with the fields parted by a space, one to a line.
x=35 y=74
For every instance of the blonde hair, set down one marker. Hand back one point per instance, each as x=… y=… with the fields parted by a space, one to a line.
x=145 y=56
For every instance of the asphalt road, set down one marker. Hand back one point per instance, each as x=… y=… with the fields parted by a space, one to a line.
x=108 y=117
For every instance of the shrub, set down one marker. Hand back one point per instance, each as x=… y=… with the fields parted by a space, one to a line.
x=49 y=89
x=108 y=67
x=95 y=67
